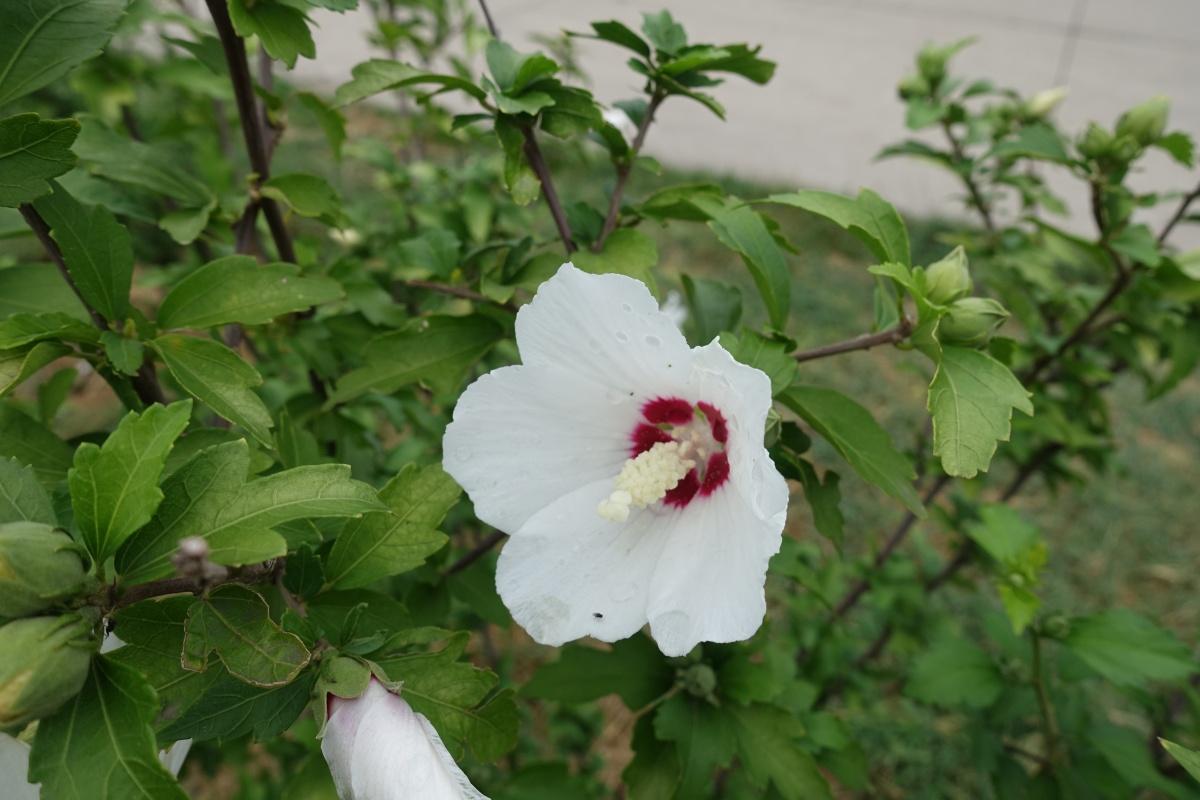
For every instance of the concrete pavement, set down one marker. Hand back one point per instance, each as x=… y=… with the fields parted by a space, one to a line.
x=832 y=104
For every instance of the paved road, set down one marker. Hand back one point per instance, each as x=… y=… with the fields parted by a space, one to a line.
x=832 y=104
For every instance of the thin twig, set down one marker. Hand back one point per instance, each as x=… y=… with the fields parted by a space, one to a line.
x=864 y=342
x=1049 y=722
x=476 y=552
x=625 y=167
x=1179 y=212
x=491 y=23
x=252 y=132
x=977 y=198
x=538 y=163
x=457 y=291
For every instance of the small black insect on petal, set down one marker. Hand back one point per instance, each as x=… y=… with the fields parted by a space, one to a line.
x=598 y=615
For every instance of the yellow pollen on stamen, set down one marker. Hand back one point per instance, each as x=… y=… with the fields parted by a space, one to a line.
x=647 y=479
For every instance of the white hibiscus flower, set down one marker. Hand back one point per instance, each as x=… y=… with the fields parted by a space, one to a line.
x=628 y=468
x=378 y=748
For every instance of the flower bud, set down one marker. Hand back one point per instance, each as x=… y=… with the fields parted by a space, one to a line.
x=913 y=86
x=698 y=680
x=1146 y=121
x=931 y=63
x=378 y=747
x=43 y=664
x=1096 y=142
x=971 y=321
x=1055 y=626
x=1043 y=102
x=38 y=566
x=948 y=279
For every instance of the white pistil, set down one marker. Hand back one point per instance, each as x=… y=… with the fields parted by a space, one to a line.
x=647 y=479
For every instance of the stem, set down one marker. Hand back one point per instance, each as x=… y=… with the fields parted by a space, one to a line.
x=456 y=291
x=864 y=342
x=491 y=23
x=1050 y=724
x=252 y=131
x=534 y=153
x=254 y=573
x=977 y=199
x=475 y=553
x=1179 y=212
x=625 y=167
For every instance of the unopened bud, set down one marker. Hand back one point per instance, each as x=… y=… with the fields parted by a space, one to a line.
x=1146 y=121
x=931 y=63
x=38 y=567
x=1096 y=142
x=43 y=664
x=1043 y=102
x=1055 y=626
x=913 y=86
x=948 y=279
x=971 y=321
x=698 y=680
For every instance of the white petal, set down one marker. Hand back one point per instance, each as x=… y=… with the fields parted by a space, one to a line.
x=524 y=436
x=567 y=565
x=604 y=328
x=14 y=766
x=391 y=753
x=708 y=585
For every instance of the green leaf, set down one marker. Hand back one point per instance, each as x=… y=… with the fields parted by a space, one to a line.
x=22 y=329
x=1038 y=141
x=743 y=230
x=767 y=746
x=332 y=123
x=36 y=289
x=307 y=195
x=282 y=29
x=954 y=673
x=218 y=377
x=574 y=112
x=101 y=744
x=238 y=289
x=1178 y=145
x=377 y=75
x=626 y=252
x=42 y=40
x=230 y=708
x=186 y=224
x=33 y=444
x=1003 y=533
x=235 y=623
x=1138 y=243
x=619 y=34
x=17 y=365
x=704 y=740
x=32 y=152
x=97 y=249
x=126 y=355
x=1124 y=749
x=519 y=177
x=438 y=351
x=715 y=307
x=530 y=102
x=1189 y=759
x=633 y=669
x=769 y=355
x=870 y=219
x=855 y=434
x=971 y=400
x=824 y=499
x=1128 y=649
x=664 y=32
x=210 y=498
x=21 y=496
x=114 y=488
x=655 y=772
x=148 y=166
x=449 y=692
x=395 y=541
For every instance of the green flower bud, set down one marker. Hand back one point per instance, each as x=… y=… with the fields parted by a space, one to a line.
x=1096 y=142
x=948 y=279
x=698 y=680
x=1055 y=626
x=1043 y=102
x=913 y=86
x=971 y=321
x=43 y=664
x=1146 y=121
x=38 y=566
x=931 y=63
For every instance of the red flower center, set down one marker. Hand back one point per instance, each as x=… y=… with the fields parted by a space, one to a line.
x=672 y=419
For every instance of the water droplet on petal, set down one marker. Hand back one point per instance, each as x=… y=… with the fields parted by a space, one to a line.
x=653 y=341
x=462 y=454
x=628 y=309
x=623 y=592
x=622 y=337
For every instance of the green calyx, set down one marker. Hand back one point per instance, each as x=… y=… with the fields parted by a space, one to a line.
x=38 y=567
x=43 y=664
x=971 y=321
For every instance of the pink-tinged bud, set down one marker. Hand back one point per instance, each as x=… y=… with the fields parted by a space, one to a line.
x=380 y=749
